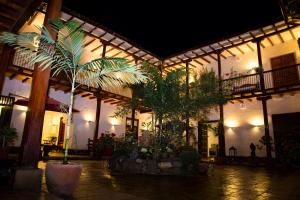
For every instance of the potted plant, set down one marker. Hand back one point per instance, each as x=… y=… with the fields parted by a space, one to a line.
x=7 y=136
x=105 y=146
x=64 y=56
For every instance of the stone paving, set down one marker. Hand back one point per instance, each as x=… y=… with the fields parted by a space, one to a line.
x=221 y=182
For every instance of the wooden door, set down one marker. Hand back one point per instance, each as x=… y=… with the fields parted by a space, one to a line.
x=284 y=77
x=287 y=137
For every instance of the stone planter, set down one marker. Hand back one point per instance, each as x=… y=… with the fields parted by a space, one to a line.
x=61 y=179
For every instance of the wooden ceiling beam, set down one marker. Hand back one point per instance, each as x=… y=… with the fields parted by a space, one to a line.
x=109 y=100
x=198 y=62
x=205 y=60
x=95 y=49
x=116 y=54
x=88 y=43
x=86 y=95
x=12 y=76
x=292 y=34
x=78 y=92
x=249 y=46
x=25 y=79
x=240 y=50
x=232 y=54
x=116 y=102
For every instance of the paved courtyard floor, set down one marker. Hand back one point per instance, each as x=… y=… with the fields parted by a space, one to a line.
x=221 y=182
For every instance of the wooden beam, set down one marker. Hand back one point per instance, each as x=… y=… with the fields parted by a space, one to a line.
x=198 y=62
x=109 y=100
x=240 y=50
x=78 y=92
x=292 y=34
x=25 y=79
x=88 y=43
x=97 y=120
x=95 y=49
x=232 y=54
x=205 y=60
x=249 y=46
x=12 y=76
x=116 y=102
x=116 y=54
x=86 y=95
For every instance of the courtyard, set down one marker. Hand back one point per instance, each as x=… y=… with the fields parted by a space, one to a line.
x=221 y=182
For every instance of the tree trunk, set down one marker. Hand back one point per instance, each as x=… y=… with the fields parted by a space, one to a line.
x=70 y=112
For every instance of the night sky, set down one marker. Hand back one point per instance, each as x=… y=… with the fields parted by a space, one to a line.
x=171 y=27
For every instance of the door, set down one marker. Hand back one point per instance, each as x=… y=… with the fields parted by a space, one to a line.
x=287 y=137
x=284 y=77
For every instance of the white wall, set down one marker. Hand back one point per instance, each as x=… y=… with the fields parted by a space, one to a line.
x=82 y=129
x=244 y=131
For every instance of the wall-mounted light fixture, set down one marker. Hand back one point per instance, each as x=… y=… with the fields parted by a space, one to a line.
x=257 y=122
x=231 y=123
x=113 y=121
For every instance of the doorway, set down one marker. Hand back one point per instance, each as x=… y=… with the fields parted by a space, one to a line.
x=287 y=137
x=208 y=142
x=284 y=77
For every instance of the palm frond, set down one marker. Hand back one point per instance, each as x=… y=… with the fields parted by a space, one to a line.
x=110 y=72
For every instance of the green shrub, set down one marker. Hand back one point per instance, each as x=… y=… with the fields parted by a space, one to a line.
x=189 y=158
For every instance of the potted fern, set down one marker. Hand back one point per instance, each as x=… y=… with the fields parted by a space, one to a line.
x=64 y=56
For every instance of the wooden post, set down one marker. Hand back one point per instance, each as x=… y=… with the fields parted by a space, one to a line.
x=99 y=99
x=133 y=109
x=187 y=94
x=5 y=61
x=98 y=111
x=222 y=151
x=31 y=140
x=264 y=100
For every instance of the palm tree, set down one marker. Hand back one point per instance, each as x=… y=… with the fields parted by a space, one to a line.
x=64 y=56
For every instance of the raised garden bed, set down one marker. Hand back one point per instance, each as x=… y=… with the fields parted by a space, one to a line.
x=170 y=166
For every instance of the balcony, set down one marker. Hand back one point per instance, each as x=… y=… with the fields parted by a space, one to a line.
x=285 y=79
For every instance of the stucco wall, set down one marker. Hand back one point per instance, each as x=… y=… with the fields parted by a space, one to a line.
x=82 y=129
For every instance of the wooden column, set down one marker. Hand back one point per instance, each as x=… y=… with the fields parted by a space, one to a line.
x=133 y=109
x=99 y=99
x=187 y=94
x=222 y=151
x=30 y=146
x=97 y=120
x=264 y=99
x=5 y=61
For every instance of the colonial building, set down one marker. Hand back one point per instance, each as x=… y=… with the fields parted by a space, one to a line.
x=265 y=90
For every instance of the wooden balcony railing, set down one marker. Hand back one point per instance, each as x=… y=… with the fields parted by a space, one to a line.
x=282 y=79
